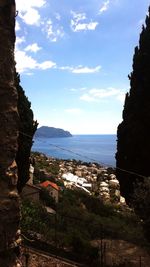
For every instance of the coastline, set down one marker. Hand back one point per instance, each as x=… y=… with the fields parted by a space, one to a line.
x=87 y=148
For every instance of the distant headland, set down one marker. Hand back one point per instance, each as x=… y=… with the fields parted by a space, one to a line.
x=51 y=132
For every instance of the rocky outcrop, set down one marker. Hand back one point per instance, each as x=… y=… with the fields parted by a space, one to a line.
x=132 y=158
x=51 y=132
x=9 y=201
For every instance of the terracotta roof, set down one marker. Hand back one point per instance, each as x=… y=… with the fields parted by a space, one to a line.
x=48 y=183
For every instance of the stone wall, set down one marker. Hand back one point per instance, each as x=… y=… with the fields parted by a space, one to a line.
x=35 y=259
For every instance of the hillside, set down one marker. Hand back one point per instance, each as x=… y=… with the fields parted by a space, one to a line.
x=96 y=221
x=51 y=132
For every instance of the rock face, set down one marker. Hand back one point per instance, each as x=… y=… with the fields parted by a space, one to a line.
x=9 y=201
x=134 y=132
x=51 y=132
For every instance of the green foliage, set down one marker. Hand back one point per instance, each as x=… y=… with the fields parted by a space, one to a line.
x=83 y=248
x=80 y=209
x=133 y=133
x=46 y=169
x=27 y=128
x=35 y=218
x=79 y=219
x=141 y=203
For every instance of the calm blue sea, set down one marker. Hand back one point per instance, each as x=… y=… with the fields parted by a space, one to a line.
x=89 y=148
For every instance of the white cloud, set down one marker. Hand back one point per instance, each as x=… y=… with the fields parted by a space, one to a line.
x=17 y=26
x=28 y=10
x=81 y=69
x=25 y=5
x=87 y=98
x=73 y=90
x=78 y=89
x=77 y=23
x=25 y=63
x=29 y=73
x=121 y=97
x=78 y=16
x=33 y=48
x=19 y=40
x=46 y=65
x=66 y=68
x=31 y=17
x=104 y=7
x=85 y=26
x=54 y=32
x=73 y=110
x=95 y=95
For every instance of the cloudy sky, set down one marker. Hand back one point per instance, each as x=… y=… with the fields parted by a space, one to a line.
x=74 y=57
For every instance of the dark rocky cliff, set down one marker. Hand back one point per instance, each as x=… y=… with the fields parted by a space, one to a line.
x=133 y=134
x=9 y=119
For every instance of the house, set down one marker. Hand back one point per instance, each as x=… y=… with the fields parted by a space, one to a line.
x=52 y=188
x=31 y=192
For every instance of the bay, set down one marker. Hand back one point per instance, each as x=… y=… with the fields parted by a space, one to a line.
x=88 y=148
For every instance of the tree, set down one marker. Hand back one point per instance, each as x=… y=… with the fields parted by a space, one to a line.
x=27 y=128
x=133 y=134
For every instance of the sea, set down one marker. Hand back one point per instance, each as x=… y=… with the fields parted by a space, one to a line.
x=87 y=148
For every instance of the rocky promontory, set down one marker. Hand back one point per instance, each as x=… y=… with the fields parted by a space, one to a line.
x=51 y=132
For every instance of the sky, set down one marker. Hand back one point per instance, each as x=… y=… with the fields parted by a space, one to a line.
x=74 y=57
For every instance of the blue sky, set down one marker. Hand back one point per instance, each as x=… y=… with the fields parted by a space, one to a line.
x=74 y=58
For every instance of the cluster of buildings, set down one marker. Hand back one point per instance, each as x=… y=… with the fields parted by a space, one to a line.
x=92 y=178
x=89 y=177
x=72 y=181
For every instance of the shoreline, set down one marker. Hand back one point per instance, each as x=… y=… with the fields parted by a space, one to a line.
x=86 y=161
x=99 y=149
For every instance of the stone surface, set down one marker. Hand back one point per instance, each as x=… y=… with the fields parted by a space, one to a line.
x=9 y=201
x=35 y=259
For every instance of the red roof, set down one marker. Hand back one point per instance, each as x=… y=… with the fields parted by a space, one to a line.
x=48 y=183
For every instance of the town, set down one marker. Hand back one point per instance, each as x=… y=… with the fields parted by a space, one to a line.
x=92 y=178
